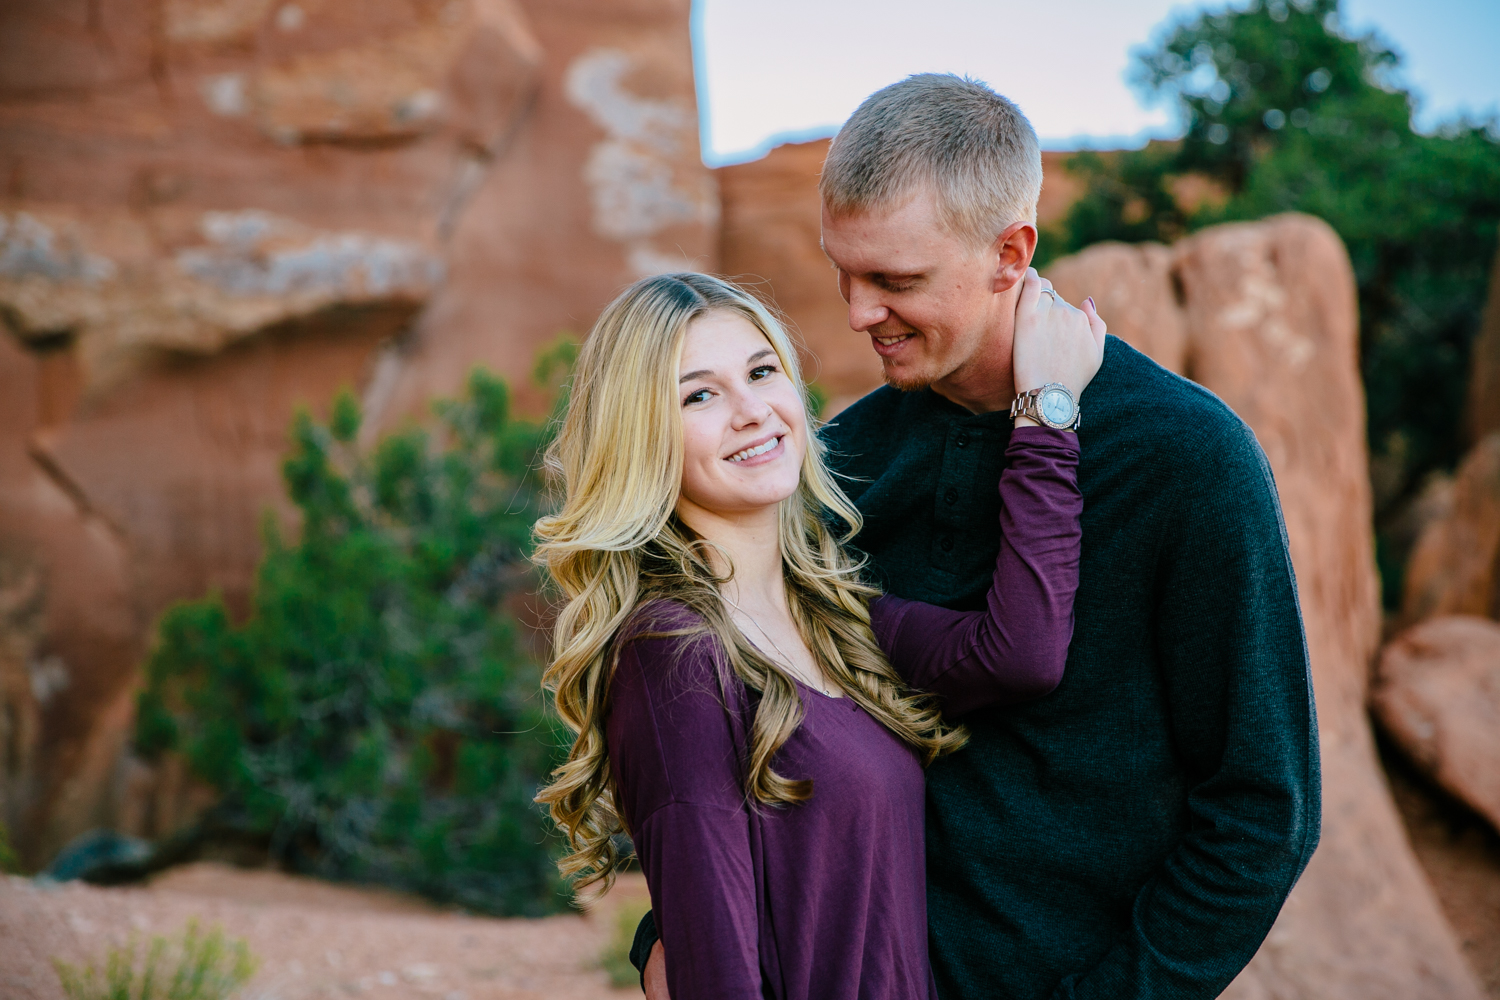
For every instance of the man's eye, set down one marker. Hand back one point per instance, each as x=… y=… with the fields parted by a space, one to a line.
x=756 y=374
x=696 y=397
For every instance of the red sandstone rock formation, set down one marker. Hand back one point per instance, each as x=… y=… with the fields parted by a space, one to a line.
x=1454 y=564
x=604 y=184
x=216 y=211
x=1438 y=693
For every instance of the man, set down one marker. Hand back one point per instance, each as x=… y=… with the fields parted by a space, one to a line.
x=1133 y=834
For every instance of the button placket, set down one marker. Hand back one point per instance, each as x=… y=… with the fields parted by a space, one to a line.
x=956 y=476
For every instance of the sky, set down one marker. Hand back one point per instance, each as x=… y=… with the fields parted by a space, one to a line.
x=771 y=71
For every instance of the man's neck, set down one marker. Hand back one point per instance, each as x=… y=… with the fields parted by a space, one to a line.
x=986 y=382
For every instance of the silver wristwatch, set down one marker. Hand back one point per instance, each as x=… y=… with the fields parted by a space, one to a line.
x=1051 y=406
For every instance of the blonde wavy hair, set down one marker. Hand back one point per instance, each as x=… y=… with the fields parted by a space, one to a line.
x=617 y=543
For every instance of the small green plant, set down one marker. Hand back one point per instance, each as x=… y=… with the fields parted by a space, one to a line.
x=615 y=959
x=9 y=861
x=377 y=717
x=194 y=966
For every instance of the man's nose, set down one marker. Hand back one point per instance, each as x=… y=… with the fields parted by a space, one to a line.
x=865 y=308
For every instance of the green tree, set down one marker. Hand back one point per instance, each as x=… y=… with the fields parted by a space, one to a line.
x=377 y=717
x=1285 y=111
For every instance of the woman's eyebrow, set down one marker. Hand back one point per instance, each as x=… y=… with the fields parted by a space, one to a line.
x=705 y=372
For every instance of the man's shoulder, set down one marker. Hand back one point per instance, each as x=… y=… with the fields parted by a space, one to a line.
x=883 y=409
x=873 y=435
x=1158 y=410
x=1174 y=439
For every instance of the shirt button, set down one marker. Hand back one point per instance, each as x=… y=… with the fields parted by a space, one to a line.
x=947 y=543
x=962 y=440
x=951 y=496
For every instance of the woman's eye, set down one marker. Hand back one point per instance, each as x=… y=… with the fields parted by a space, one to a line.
x=696 y=397
x=756 y=374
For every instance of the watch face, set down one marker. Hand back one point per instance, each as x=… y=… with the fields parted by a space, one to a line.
x=1056 y=407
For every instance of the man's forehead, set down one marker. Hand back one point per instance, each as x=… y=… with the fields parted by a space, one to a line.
x=904 y=239
x=879 y=242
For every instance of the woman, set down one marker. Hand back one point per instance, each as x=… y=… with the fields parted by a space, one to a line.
x=753 y=714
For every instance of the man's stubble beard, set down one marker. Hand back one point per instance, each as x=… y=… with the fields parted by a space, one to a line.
x=907 y=383
x=924 y=377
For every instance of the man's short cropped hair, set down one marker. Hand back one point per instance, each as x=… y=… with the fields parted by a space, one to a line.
x=973 y=147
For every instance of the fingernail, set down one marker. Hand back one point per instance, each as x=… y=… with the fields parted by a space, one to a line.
x=1090 y=301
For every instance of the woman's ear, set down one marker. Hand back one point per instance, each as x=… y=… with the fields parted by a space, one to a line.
x=1013 y=249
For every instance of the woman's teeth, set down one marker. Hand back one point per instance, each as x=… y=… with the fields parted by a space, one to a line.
x=888 y=341
x=759 y=449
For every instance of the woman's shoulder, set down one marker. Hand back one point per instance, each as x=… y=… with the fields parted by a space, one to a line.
x=674 y=721
x=666 y=643
x=669 y=666
x=660 y=615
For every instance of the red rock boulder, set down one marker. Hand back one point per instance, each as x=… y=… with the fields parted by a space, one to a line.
x=1437 y=692
x=1455 y=562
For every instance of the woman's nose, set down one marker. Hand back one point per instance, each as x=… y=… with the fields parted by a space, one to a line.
x=749 y=408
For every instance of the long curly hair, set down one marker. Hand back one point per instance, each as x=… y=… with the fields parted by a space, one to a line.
x=617 y=543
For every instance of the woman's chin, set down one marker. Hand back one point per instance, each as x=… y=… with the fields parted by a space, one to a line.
x=757 y=503
x=741 y=503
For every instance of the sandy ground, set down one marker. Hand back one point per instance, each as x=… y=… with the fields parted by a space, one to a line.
x=1461 y=855
x=313 y=939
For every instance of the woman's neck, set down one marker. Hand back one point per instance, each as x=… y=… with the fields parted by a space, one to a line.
x=752 y=543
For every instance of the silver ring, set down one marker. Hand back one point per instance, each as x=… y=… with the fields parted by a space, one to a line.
x=1055 y=297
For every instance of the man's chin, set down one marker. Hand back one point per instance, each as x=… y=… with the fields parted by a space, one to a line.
x=904 y=378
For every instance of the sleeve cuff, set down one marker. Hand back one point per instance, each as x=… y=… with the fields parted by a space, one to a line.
x=1044 y=437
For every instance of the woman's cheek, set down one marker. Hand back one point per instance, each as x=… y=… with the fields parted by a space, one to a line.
x=695 y=440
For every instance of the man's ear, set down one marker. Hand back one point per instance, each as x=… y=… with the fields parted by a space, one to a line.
x=1013 y=250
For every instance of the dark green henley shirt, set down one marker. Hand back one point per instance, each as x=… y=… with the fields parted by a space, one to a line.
x=1134 y=833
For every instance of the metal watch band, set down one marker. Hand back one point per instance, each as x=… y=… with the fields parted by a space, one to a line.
x=1026 y=404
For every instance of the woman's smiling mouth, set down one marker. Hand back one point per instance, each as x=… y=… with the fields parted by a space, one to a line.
x=757 y=451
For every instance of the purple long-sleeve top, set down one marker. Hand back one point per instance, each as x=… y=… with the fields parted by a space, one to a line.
x=826 y=899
